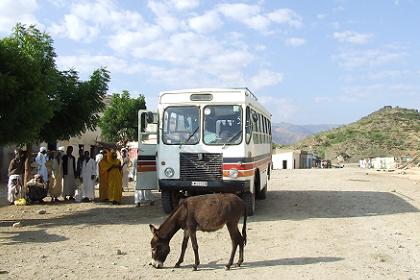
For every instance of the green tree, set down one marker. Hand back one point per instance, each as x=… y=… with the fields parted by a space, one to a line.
x=37 y=101
x=119 y=123
x=27 y=78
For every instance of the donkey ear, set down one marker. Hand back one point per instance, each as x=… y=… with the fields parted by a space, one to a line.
x=153 y=229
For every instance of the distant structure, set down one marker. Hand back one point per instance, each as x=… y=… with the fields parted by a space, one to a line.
x=294 y=159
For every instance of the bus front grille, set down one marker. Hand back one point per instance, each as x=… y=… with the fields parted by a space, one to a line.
x=201 y=166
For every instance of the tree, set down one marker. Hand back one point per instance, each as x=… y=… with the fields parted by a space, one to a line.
x=77 y=105
x=37 y=101
x=27 y=75
x=119 y=123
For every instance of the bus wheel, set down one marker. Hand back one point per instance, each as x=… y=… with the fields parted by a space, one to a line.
x=249 y=199
x=169 y=201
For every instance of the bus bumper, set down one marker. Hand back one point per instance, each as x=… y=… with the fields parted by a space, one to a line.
x=205 y=186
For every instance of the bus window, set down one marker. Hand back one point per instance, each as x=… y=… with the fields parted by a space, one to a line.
x=181 y=125
x=248 y=127
x=222 y=125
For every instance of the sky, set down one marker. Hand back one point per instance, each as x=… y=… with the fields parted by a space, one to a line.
x=308 y=62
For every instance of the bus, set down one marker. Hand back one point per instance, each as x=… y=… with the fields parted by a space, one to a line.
x=205 y=141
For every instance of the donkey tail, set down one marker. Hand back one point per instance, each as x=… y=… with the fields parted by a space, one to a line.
x=244 y=225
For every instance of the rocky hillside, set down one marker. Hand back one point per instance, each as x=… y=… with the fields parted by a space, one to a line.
x=287 y=133
x=386 y=132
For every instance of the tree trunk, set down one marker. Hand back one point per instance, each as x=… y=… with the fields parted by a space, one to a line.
x=28 y=162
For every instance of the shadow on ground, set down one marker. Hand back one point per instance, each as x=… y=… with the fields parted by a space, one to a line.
x=31 y=236
x=268 y=263
x=300 y=205
x=279 y=205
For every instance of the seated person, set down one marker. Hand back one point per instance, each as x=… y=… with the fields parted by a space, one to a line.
x=37 y=189
x=14 y=191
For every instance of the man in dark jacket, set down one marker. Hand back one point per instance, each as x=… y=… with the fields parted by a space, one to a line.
x=69 y=174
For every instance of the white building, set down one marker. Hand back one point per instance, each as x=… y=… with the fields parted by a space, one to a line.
x=294 y=159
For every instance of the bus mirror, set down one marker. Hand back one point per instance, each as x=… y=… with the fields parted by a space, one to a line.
x=149 y=117
x=255 y=117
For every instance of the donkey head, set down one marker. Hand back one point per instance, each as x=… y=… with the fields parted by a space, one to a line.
x=160 y=248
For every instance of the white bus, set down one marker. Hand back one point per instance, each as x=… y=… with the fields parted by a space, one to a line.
x=205 y=141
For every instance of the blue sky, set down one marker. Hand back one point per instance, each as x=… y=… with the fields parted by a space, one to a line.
x=309 y=62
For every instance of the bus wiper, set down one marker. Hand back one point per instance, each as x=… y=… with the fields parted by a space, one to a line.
x=190 y=136
x=231 y=138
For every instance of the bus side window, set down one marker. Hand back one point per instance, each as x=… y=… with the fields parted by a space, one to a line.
x=248 y=125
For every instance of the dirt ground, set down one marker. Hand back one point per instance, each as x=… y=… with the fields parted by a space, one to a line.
x=314 y=224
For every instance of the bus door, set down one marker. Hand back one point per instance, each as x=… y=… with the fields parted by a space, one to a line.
x=147 y=151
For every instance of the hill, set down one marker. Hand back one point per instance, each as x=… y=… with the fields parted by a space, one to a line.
x=287 y=133
x=386 y=132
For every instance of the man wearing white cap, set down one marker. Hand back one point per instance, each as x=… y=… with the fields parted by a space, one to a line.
x=41 y=159
x=125 y=168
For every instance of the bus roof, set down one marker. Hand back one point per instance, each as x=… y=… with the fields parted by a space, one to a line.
x=250 y=96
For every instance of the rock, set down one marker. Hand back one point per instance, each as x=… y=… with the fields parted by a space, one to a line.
x=43 y=256
x=119 y=253
x=42 y=212
x=394 y=191
x=17 y=225
x=114 y=263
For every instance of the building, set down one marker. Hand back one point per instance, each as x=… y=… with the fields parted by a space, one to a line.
x=293 y=159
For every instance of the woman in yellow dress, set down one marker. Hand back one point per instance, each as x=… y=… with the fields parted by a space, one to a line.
x=104 y=165
x=115 y=179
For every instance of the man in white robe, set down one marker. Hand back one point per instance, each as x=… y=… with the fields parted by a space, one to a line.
x=87 y=175
x=41 y=159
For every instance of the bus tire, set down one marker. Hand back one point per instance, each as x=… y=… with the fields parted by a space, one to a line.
x=167 y=203
x=249 y=199
x=262 y=194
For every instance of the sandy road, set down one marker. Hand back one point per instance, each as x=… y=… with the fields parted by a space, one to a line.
x=315 y=224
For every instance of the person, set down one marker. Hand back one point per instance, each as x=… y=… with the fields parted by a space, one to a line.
x=37 y=189
x=56 y=186
x=14 y=188
x=115 y=179
x=79 y=163
x=98 y=159
x=69 y=174
x=87 y=176
x=126 y=164
x=17 y=166
x=104 y=165
x=41 y=159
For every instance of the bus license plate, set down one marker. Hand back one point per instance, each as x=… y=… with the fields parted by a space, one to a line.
x=199 y=183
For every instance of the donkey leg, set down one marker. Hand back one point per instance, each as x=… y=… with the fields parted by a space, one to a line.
x=241 y=252
x=184 y=246
x=235 y=236
x=195 y=248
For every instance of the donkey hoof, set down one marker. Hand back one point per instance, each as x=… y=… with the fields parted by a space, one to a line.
x=177 y=265
x=194 y=268
x=227 y=267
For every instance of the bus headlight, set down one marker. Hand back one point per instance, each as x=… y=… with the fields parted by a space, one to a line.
x=169 y=172
x=233 y=173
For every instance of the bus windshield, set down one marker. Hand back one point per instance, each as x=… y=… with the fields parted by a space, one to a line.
x=180 y=125
x=222 y=125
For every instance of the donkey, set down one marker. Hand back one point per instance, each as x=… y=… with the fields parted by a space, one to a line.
x=206 y=213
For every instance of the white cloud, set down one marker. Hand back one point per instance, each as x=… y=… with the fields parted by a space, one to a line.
x=286 y=16
x=321 y=99
x=14 y=11
x=295 y=42
x=86 y=20
x=265 y=78
x=284 y=108
x=86 y=63
x=353 y=37
x=185 y=4
x=206 y=23
x=352 y=58
x=252 y=16
x=164 y=18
